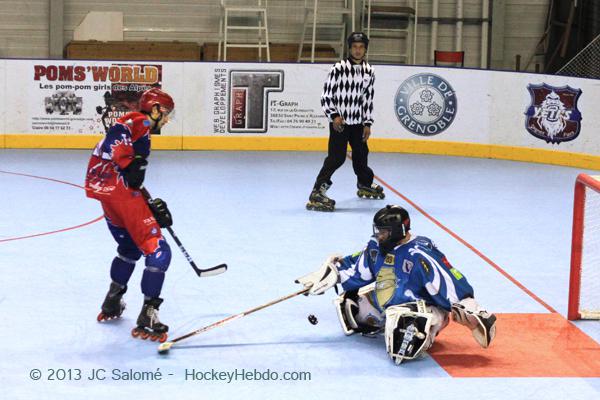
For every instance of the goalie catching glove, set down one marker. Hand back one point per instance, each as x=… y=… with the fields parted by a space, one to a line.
x=324 y=278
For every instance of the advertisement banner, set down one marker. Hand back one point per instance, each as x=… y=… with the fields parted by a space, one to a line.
x=77 y=97
x=426 y=104
x=285 y=100
x=258 y=99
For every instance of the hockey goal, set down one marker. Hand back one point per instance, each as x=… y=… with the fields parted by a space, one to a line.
x=584 y=286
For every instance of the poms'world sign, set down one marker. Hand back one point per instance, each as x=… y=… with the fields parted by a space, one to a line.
x=425 y=104
x=77 y=98
x=147 y=74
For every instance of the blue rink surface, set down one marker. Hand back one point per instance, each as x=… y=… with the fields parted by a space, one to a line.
x=247 y=209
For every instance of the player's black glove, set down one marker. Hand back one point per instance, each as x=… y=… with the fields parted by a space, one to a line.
x=135 y=172
x=161 y=213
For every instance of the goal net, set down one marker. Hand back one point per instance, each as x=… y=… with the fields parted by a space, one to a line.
x=584 y=286
x=585 y=64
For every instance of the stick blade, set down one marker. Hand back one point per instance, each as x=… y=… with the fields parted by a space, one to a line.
x=164 y=348
x=219 y=269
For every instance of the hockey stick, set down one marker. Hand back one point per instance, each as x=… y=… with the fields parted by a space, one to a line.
x=164 y=347
x=219 y=269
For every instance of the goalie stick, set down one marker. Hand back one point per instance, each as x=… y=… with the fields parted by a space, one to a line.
x=164 y=347
x=201 y=272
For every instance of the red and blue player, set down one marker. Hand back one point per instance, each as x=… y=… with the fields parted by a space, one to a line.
x=115 y=174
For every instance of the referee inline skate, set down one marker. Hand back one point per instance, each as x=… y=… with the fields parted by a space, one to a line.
x=318 y=200
x=374 y=191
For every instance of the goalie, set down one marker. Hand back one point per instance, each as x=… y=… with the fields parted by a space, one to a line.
x=402 y=285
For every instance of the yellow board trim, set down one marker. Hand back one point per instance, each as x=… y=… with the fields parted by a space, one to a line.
x=269 y=143
x=42 y=141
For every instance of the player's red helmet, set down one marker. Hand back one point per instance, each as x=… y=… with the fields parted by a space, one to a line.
x=155 y=96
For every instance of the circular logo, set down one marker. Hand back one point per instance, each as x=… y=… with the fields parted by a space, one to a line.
x=425 y=104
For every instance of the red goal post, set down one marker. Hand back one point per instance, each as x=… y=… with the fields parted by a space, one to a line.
x=584 y=284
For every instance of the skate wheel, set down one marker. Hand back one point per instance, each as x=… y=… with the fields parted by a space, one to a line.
x=153 y=338
x=321 y=208
x=163 y=338
x=144 y=335
x=135 y=332
x=103 y=317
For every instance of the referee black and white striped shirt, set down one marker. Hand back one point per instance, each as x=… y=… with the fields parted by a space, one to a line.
x=348 y=92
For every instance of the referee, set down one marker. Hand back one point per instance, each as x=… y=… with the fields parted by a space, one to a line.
x=347 y=101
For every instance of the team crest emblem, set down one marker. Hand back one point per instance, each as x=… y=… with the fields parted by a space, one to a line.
x=553 y=115
x=373 y=253
x=407 y=266
x=385 y=285
x=425 y=104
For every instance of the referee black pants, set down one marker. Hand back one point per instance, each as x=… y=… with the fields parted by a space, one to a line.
x=338 y=143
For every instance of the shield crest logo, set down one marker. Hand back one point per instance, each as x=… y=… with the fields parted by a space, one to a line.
x=425 y=104
x=553 y=115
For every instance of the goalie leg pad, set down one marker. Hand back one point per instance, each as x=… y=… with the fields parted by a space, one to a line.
x=481 y=323
x=411 y=328
x=356 y=312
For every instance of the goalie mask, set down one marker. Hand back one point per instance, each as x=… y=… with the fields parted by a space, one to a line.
x=392 y=224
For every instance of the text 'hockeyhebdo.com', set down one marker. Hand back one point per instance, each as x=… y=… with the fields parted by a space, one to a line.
x=190 y=375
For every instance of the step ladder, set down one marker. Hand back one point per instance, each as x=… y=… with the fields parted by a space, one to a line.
x=332 y=33
x=244 y=15
x=393 y=23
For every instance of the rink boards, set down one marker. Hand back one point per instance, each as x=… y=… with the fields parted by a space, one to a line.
x=251 y=106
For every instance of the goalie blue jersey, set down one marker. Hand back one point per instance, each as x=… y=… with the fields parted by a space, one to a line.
x=416 y=270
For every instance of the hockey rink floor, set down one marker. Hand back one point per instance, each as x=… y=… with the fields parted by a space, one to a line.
x=505 y=225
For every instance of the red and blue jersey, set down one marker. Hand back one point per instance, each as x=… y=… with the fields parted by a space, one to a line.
x=128 y=138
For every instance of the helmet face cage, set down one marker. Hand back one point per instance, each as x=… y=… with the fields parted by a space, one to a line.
x=396 y=221
x=378 y=230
